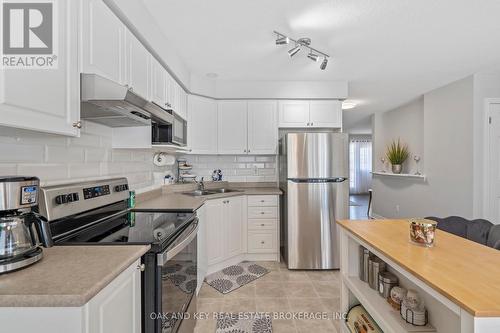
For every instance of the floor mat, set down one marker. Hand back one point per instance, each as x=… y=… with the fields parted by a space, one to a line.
x=244 y=323
x=235 y=276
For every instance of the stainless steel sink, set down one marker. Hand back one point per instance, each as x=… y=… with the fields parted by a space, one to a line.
x=198 y=193
x=224 y=190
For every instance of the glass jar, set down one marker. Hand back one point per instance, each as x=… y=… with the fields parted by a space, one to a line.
x=423 y=232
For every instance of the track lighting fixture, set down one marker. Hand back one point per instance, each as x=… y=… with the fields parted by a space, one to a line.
x=294 y=51
x=282 y=40
x=323 y=64
x=299 y=43
x=313 y=56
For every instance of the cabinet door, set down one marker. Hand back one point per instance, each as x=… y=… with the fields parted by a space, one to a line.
x=326 y=114
x=202 y=125
x=138 y=59
x=215 y=231
x=293 y=113
x=235 y=227
x=103 y=41
x=202 y=256
x=182 y=109
x=262 y=127
x=232 y=129
x=170 y=90
x=46 y=100
x=158 y=89
x=117 y=308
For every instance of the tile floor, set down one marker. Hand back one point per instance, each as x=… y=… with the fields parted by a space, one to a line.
x=279 y=291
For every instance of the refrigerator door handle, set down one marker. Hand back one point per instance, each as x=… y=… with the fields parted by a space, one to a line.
x=318 y=180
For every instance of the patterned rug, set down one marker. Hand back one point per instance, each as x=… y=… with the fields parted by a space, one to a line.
x=182 y=274
x=244 y=323
x=233 y=277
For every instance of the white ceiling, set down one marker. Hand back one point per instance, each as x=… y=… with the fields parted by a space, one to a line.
x=390 y=51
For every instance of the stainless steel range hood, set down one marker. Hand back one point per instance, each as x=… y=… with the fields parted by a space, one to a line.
x=109 y=103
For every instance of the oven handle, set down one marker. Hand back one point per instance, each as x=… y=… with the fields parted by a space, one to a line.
x=177 y=247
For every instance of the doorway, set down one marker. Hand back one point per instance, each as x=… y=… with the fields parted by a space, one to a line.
x=360 y=177
x=492 y=161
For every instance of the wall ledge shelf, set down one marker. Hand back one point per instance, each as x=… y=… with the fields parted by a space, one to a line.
x=400 y=175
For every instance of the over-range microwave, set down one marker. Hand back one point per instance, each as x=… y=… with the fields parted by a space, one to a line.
x=173 y=131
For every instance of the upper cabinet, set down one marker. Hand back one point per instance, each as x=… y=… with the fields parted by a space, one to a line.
x=262 y=127
x=47 y=100
x=202 y=125
x=103 y=41
x=232 y=127
x=138 y=60
x=315 y=114
x=158 y=83
x=325 y=113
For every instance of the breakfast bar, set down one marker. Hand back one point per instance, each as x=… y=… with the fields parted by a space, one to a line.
x=457 y=280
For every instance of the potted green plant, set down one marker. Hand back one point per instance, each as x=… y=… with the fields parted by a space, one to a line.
x=397 y=153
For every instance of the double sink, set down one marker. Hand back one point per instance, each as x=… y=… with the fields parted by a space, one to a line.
x=199 y=193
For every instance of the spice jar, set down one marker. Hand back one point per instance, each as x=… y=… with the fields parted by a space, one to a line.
x=422 y=232
x=364 y=256
x=386 y=281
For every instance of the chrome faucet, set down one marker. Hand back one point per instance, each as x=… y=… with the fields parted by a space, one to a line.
x=201 y=184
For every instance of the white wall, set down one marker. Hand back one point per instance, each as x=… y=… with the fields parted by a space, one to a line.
x=59 y=159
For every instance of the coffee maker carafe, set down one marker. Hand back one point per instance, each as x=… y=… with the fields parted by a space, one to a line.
x=22 y=230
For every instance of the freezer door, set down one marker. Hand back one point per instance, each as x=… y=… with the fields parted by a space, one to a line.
x=317 y=155
x=313 y=208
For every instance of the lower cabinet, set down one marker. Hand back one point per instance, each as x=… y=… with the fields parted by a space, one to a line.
x=226 y=223
x=238 y=228
x=115 y=309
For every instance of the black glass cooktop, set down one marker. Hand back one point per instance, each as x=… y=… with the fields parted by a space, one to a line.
x=122 y=227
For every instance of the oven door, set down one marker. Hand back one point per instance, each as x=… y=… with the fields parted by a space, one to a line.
x=178 y=270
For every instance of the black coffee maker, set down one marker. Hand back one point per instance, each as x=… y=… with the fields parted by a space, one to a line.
x=22 y=230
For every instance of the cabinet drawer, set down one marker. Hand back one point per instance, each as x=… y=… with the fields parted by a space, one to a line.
x=262 y=200
x=262 y=212
x=262 y=242
x=262 y=224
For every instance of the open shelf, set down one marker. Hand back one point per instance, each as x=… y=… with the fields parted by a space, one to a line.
x=399 y=175
x=384 y=315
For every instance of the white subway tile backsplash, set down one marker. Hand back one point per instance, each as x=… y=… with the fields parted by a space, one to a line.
x=265 y=158
x=97 y=129
x=83 y=170
x=265 y=172
x=58 y=154
x=120 y=155
x=96 y=155
x=86 y=140
x=8 y=169
x=10 y=152
x=44 y=171
x=245 y=158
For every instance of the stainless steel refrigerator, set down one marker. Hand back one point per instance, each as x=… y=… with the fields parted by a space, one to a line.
x=314 y=178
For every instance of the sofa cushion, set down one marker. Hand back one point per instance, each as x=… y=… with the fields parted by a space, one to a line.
x=454 y=224
x=494 y=237
x=478 y=231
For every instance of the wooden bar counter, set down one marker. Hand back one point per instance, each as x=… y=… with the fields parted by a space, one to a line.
x=458 y=279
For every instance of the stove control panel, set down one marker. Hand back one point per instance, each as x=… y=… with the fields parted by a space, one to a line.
x=67 y=198
x=95 y=192
x=121 y=187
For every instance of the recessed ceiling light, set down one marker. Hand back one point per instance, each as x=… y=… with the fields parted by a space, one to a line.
x=212 y=75
x=346 y=105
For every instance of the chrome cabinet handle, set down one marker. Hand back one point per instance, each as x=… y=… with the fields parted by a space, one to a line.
x=262 y=224
x=263 y=242
x=312 y=124
x=77 y=124
x=141 y=267
x=262 y=213
x=263 y=201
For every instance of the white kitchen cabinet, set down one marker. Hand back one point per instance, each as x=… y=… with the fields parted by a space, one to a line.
x=293 y=113
x=138 y=64
x=158 y=79
x=215 y=231
x=202 y=125
x=182 y=109
x=232 y=127
x=262 y=127
x=202 y=257
x=116 y=308
x=310 y=114
x=326 y=113
x=103 y=41
x=46 y=100
x=226 y=228
x=263 y=228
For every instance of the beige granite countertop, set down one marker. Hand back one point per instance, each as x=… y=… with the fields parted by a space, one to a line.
x=67 y=276
x=170 y=198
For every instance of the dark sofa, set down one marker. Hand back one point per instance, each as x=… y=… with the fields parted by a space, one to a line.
x=479 y=231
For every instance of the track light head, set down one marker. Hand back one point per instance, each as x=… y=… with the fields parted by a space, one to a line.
x=283 y=40
x=324 y=63
x=294 y=51
x=313 y=56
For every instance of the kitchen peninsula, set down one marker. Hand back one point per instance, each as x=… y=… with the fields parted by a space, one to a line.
x=457 y=279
